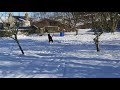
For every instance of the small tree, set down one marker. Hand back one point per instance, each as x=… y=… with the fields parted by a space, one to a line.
x=96 y=40
x=102 y=22
x=13 y=32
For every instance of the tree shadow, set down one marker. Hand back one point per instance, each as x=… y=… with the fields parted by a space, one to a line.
x=53 y=61
x=71 y=69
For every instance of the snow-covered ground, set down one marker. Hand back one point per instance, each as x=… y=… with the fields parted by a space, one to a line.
x=68 y=57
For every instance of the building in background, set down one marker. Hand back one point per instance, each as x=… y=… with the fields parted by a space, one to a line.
x=23 y=21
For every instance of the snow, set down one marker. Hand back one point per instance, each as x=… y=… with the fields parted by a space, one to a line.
x=70 y=56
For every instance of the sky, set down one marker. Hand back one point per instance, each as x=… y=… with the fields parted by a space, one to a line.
x=14 y=13
x=3 y=14
x=23 y=13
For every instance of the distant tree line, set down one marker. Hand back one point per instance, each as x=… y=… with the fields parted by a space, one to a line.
x=107 y=21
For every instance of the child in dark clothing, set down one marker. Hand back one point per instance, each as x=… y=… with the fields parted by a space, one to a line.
x=50 y=38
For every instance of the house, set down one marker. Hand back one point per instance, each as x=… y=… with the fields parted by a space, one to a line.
x=54 y=25
x=22 y=20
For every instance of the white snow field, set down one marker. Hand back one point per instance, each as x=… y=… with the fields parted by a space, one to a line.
x=70 y=56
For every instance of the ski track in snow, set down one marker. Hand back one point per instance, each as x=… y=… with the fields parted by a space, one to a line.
x=68 y=57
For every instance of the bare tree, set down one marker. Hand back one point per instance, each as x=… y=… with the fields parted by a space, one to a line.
x=96 y=40
x=114 y=18
x=39 y=15
x=13 y=32
x=102 y=22
x=76 y=17
x=70 y=18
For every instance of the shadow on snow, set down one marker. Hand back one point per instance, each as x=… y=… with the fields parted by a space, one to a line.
x=54 y=60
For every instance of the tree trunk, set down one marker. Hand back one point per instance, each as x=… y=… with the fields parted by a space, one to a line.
x=19 y=44
x=76 y=32
x=96 y=40
x=97 y=47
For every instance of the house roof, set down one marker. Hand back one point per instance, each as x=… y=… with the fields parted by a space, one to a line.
x=20 y=18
